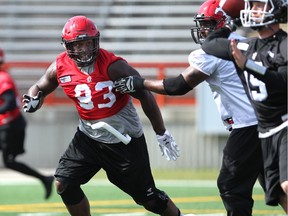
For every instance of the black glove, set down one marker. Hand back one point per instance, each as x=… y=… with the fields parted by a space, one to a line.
x=32 y=103
x=233 y=24
x=129 y=84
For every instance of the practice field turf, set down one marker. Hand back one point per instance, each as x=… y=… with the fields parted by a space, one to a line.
x=198 y=196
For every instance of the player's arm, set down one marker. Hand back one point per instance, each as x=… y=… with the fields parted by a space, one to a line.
x=8 y=101
x=34 y=99
x=275 y=79
x=47 y=83
x=120 y=69
x=218 y=45
x=179 y=85
x=166 y=142
x=168 y=146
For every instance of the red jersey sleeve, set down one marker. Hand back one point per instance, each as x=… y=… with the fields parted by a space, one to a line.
x=7 y=83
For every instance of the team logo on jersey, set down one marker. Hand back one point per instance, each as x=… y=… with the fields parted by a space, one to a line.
x=65 y=79
x=89 y=79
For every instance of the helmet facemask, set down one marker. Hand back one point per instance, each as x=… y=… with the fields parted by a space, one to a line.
x=204 y=25
x=265 y=17
x=83 y=56
x=80 y=38
x=274 y=11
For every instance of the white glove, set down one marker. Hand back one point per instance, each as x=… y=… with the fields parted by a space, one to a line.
x=168 y=146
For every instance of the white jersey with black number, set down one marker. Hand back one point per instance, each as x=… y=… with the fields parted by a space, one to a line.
x=227 y=89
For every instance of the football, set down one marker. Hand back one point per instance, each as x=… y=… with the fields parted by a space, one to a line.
x=232 y=7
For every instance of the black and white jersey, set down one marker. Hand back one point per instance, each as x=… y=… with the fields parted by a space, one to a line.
x=267 y=93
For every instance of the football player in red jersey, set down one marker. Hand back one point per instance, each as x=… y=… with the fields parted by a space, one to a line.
x=86 y=73
x=12 y=129
x=261 y=64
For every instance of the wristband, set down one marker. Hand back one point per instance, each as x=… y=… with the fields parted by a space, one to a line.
x=253 y=66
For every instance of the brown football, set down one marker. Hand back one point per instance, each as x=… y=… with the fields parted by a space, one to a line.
x=232 y=7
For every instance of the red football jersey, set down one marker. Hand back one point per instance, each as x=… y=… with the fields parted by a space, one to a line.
x=7 y=83
x=93 y=93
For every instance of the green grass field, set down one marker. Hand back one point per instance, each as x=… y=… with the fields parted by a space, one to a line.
x=193 y=192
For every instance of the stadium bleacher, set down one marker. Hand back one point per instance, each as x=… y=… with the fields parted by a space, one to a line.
x=139 y=30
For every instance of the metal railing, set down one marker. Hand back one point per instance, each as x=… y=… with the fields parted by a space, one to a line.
x=148 y=70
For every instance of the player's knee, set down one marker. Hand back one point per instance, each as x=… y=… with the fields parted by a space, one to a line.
x=284 y=186
x=60 y=187
x=71 y=194
x=158 y=204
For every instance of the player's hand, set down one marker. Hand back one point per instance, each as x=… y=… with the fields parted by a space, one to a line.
x=129 y=84
x=239 y=58
x=168 y=146
x=31 y=104
x=233 y=24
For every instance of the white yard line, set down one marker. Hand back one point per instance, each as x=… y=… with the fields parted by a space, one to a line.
x=104 y=182
x=212 y=214
x=8 y=177
x=126 y=214
x=39 y=214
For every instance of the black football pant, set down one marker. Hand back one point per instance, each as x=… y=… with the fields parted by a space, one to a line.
x=241 y=166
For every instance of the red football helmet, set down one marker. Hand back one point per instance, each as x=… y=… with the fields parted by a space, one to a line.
x=1 y=56
x=210 y=17
x=78 y=29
